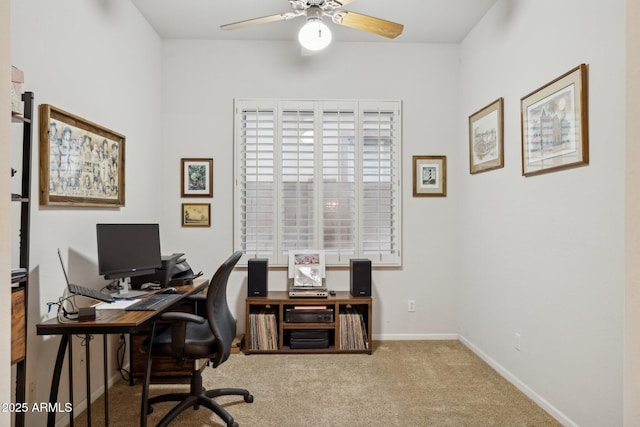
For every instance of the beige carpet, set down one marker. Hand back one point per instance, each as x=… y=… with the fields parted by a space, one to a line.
x=404 y=383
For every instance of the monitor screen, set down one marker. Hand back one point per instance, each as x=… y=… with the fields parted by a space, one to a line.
x=127 y=250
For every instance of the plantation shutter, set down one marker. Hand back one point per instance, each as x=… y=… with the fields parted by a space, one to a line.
x=299 y=182
x=339 y=196
x=380 y=196
x=257 y=180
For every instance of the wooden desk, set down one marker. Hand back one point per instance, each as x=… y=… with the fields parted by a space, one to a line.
x=107 y=322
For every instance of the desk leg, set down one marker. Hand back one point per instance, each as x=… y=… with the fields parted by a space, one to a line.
x=55 y=382
x=70 y=367
x=87 y=353
x=147 y=377
x=106 y=380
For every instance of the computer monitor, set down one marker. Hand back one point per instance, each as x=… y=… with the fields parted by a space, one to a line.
x=128 y=250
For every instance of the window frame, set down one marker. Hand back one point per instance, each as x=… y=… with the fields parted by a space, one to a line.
x=360 y=109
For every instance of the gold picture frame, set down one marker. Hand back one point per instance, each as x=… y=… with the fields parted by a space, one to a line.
x=486 y=138
x=196 y=177
x=196 y=214
x=554 y=124
x=429 y=176
x=81 y=162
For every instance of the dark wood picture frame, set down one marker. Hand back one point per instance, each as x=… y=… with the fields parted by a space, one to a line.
x=196 y=214
x=196 y=177
x=555 y=125
x=81 y=162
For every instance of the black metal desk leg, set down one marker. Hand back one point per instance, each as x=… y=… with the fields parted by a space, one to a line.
x=55 y=382
x=106 y=380
x=147 y=377
x=87 y=353
x=70 y=360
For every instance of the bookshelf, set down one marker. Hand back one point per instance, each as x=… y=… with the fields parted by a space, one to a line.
x=20 y=283
x=268 y=331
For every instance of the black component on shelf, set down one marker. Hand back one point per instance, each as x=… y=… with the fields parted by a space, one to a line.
x=313 y=338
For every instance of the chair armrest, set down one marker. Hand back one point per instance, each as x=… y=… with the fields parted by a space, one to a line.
x=179 y=322
x=178 y=316
x=196 y=297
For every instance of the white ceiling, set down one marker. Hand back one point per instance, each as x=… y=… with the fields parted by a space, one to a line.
x=425 y=21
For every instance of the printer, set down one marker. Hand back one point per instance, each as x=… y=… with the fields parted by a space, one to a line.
x=175 y=271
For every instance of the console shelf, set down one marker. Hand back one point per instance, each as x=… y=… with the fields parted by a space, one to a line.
x=352 y=317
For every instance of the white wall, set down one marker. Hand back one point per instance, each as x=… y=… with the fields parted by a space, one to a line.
x=201 y=79
x=544 y=256
x=101 y=61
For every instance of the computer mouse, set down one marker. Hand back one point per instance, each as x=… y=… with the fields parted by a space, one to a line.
x=171 y=290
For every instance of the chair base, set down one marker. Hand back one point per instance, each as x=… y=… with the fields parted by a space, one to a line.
x=196 y=397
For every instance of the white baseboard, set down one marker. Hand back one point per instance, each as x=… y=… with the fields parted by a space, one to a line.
x=531 y=394
x=414 y=337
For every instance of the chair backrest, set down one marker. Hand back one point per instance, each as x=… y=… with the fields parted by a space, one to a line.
x=221 y=321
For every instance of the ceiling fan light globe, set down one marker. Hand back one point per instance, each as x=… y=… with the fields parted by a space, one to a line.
x=314 y=35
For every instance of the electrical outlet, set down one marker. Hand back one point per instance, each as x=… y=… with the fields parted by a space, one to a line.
x=516 y=342
x=412 y=305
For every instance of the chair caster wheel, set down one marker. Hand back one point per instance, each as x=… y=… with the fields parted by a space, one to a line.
x=248 y=398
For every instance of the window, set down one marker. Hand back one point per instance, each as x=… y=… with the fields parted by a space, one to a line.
x=318 y=175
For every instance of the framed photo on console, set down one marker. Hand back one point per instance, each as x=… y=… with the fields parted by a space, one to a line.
x=555 y=124
x=81 y=162
x=306 y=267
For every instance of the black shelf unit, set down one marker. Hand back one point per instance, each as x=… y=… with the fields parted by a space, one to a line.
x=20 y=288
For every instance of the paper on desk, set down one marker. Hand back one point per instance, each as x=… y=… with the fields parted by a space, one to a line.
x=118 y=304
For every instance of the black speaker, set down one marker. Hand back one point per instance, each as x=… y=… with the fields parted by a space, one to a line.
x=258 y=273
x=360 y=277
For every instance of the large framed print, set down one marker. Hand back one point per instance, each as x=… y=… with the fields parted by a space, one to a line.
x=81 y=162
x=196 y=177
x=429 y=176
x=486 y=142
x=555 y=124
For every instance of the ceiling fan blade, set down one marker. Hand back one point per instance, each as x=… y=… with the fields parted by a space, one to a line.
x=344 y=2
x=262 y=20
x=367 y=23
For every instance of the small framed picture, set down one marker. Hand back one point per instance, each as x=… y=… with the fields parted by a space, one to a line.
x=429 y=176
x=196 y=177
x=555 y=124
x=486 y=146
x=196 y=214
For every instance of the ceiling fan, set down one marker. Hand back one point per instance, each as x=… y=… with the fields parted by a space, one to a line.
x=315 y=35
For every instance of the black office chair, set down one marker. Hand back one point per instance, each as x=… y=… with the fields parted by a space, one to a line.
x=193 y=337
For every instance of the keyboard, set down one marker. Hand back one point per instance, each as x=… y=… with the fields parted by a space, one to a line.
x=153 y=302
x=90 y=293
